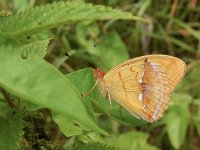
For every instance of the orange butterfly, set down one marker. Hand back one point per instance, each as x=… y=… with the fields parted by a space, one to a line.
x=142 y=85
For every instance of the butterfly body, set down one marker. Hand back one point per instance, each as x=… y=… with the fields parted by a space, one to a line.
x=98 y=74
x=142 y=85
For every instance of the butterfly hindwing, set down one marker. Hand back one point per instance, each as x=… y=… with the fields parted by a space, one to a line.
x=143 y=85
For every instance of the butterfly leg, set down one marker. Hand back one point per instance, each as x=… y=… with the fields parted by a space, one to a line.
x=97 y=97
x=109 y=98
x=85 y=94
x=120 y=111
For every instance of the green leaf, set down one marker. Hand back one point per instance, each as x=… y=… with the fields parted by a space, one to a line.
x=37 y=48
x=90 y=137
x=191 y=84
x=177 y=120
x=175 y=41
x=66 y=125
x=56 y=14
x=85 y=30
x=181 y=24
x=112 y=48
x=11 y=130
x=94 y=146
x=197 y=115
x=22 y=5
x=4 y=108
x=41 y=84
x=83 y=80
x=131 y=141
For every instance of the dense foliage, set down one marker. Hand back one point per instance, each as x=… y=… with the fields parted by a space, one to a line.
x=47 y=49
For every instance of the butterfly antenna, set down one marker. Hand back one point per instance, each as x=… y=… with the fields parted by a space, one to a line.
x=75 y=58
x=97 y=56
x=87 y=93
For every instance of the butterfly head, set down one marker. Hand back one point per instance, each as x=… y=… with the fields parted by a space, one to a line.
x=98 y=74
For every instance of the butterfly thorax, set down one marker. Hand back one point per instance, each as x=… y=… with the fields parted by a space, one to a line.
x=99 y=75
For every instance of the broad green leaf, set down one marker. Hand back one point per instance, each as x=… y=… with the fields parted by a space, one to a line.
x=35 y=48
x=83 y=80
x=177 y=120
x=41 y=84
x=56 y=14
x=112 y=51
x=11 y=130
x=131 y=141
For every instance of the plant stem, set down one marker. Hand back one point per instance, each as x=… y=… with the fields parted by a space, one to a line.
x=7 y=97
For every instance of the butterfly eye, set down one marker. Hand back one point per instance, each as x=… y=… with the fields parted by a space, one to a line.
x=98 y=74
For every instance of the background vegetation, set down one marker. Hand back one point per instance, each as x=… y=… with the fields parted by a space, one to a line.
x=46 y=49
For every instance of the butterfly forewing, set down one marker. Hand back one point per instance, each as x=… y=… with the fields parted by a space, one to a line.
x=143 y=85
